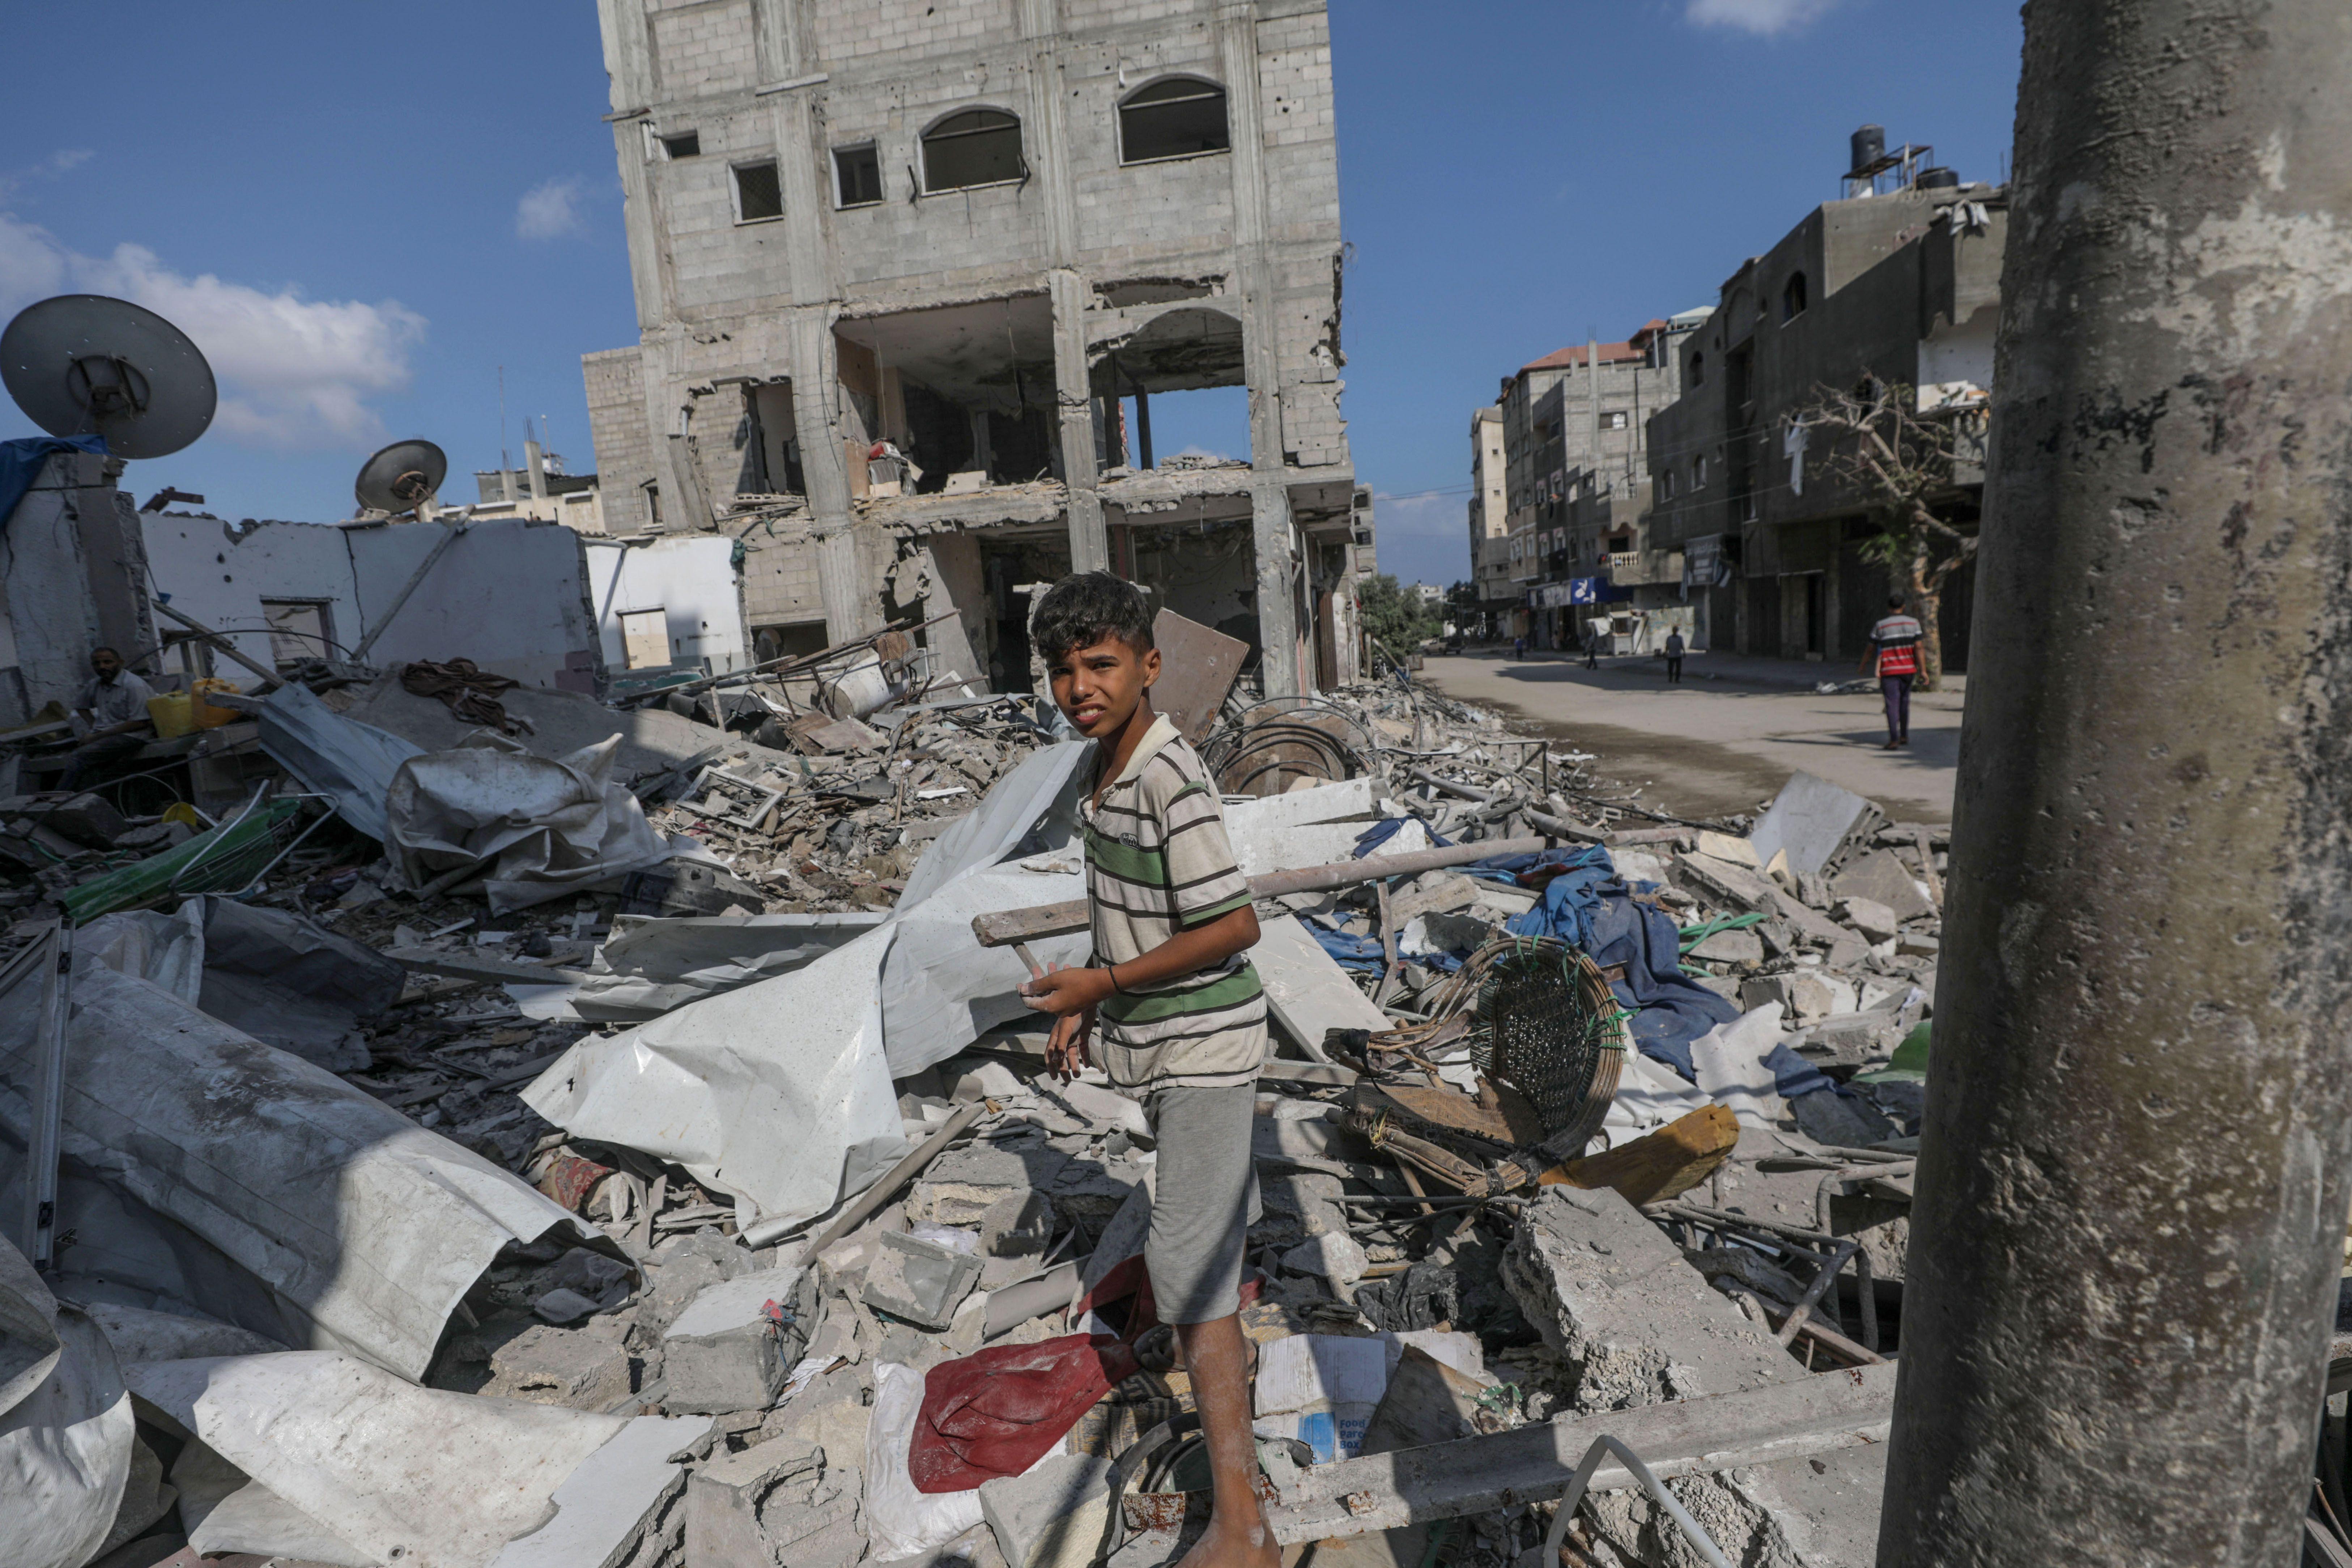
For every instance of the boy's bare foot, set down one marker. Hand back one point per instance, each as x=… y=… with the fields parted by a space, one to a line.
x=1229 y=1545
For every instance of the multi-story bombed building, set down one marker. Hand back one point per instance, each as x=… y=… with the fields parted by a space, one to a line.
x=1574 y=426
x=1897 y=283
x=909 y=277
x=1491 y=576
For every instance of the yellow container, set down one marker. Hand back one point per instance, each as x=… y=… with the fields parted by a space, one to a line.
x=206 y=714
x=172 y=714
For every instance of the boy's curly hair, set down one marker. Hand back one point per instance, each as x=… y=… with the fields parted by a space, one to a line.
x=1085 y=607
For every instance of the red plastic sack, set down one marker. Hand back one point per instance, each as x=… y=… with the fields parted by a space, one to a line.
x=997 y=1412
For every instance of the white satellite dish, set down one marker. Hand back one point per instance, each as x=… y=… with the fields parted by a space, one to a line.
x=84 y=364
x=405 y=476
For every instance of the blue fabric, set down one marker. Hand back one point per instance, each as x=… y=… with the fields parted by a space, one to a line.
x=20 y=464
x=1347 y=950
x=1388 y=828
x=1793 y=1075
x=1589 y=906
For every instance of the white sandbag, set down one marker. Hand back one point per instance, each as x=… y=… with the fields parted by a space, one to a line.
x=337 y=1451
x=899 y=1521
x=350 y=1227
x=541 y=826
x=65 y=1425
x=778 y=1093
x=1728 y=1062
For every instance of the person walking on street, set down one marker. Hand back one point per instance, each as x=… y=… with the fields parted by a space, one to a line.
x=1518 y=648
x=1675 y=657
x=1893 y=658
x=1592 y=648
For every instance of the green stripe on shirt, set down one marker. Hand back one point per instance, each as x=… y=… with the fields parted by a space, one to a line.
x=1125 y=861
x=1240 y=986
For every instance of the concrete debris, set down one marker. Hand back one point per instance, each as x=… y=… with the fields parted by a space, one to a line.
x=654 y=1197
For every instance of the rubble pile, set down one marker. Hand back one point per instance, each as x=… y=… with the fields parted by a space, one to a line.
x=720 y=1211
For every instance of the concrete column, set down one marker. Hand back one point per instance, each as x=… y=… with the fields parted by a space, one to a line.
x=1273 y=536
x=2132 y=1189
x=1073 y=394
x=850 y=609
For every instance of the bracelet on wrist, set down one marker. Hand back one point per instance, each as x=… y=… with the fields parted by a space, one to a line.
x=1112 y=970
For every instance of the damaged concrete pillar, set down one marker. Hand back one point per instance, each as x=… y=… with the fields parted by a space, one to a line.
x=1074 y=395
x=2131 y=1192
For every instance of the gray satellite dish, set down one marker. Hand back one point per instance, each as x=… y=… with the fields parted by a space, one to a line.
x=404 y=477
x=83 y=364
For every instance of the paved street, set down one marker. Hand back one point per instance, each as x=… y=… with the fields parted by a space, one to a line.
x=1731 y=734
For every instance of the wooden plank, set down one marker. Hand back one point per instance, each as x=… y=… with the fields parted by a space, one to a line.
x=1198 y=667
x=1000 y=926
x=1658 y=1165
x=1843 y=1409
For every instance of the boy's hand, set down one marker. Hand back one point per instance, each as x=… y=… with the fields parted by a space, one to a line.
x=1064 y=991
x=1065 y=1048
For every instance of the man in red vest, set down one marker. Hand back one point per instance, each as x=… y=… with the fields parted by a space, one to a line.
x=1893 y=658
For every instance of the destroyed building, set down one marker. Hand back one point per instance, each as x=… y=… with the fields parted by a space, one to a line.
x=1897 y=282
x=1574 y=440
x=902 y=275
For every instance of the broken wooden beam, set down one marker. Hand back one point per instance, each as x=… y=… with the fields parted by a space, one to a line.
x=1843 y=1409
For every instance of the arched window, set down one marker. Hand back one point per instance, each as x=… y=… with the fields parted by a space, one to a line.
x=1698 y=472
x=1698 y=369
x=972 y=147
x=1792 y=297
x=1179 y=117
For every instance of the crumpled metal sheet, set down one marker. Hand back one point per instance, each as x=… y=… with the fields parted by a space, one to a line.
x=65 y=1425
x=651 y=966
x=541 y=826
x=349 y=1464
x=778 y=1093
x=332 y=755
x=940 y=989
x=323 y=1217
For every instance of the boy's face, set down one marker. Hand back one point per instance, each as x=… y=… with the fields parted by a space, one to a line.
x=1099 y=687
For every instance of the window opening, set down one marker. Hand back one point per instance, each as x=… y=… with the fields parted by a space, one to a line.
x=975 y=147
x=1698 y=369
x=645 y=638
x=1698 y=472
x=1180 y=118
x=297 y=631
x=858 y=175
x=681 y=144
x=1792 y=297
x=759 y=195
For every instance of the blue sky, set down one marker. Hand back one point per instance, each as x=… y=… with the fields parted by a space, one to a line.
x=363 y=211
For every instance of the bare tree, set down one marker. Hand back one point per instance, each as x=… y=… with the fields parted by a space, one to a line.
x=1898 y=461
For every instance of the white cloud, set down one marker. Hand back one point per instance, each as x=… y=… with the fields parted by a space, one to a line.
x=550 y=210
x=1764 y=17
x=293 y=372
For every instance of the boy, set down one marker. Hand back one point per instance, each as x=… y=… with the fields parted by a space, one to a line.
x=1893 y=658
x=1181 y=1016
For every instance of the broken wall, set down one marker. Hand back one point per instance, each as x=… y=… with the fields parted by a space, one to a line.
x=61 y=590
x=691 y=580
x=512 y=594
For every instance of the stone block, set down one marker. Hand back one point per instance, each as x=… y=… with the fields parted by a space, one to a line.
x=1057 y=1516
x=580 y=1369
x=1105 y=1108
x=1637 y=1324
x=1017 y=1225
x=1731 y=947
x=1725 y=883
x=919 y=1280
x=774 y=1505
x=1883 y=878
x=1333 y=1256
x=85 y=819
x=1450 y=932
x=964 y=1184
x=1874 y=920
x=1840 y=1120
x=1429 y=893
x=989 y=1080
x=1728 y=849
x=735 y=1343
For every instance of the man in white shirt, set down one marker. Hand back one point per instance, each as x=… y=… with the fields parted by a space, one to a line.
x=115 y=706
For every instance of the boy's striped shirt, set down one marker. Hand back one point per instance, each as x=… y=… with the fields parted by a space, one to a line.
x=1158 y=860
x=1896 y=638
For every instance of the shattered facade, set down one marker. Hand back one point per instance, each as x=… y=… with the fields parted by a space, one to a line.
x=901 y=272
x=1903 y=288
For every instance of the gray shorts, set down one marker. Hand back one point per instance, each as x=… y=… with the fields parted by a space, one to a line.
x=1204 y=1201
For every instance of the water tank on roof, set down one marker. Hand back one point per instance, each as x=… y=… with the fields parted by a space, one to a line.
x=1869 y=146
x=1938 y=179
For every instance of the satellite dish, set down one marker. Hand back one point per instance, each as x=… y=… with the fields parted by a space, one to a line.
x=404 y=477
x=83 y=364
